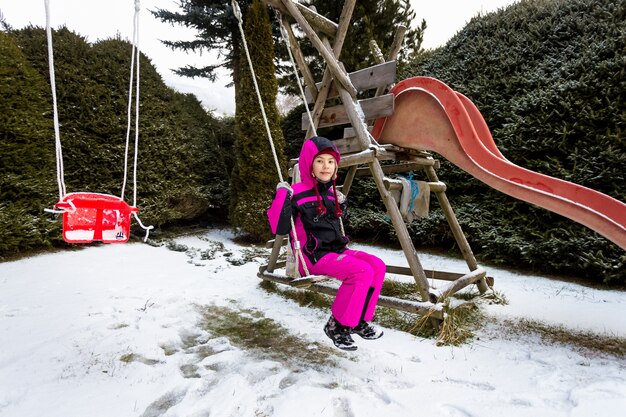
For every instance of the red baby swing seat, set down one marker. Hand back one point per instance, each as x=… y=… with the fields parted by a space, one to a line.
x=89 y=217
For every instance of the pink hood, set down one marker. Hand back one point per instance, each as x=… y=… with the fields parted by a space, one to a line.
x=310 y=148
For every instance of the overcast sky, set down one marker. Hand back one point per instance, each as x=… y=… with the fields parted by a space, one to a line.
x=102 y=19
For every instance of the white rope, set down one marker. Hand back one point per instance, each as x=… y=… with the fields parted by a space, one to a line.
x=59 y=153
x=57 y=135
x=136 y=157
x=285 y=37
x=135 y=53
x=237 y=13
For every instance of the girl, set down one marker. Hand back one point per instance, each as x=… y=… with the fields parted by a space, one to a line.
x=316 y=207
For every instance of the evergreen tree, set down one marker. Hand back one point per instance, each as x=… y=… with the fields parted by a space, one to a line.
x=550 y=80
x=217 y=30
x=254 y=177
x=373 y=20
x=181 y=172
x=27 y=169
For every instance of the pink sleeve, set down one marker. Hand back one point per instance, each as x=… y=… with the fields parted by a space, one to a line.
x=279 y=213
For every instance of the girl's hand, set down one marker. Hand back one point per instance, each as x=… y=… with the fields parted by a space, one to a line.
x=285 y=185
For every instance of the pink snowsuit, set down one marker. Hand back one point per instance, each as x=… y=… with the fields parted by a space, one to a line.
x=322 y=242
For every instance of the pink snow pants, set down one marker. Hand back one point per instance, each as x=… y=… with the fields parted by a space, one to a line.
x=362 y=276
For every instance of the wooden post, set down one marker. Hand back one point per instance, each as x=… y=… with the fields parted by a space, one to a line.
x=331 y=61
x=460 y=238
x=358 y=124
x=403 y=234
x=322 y=95
x=278 y=243
x=319 y=22
x=299 y=57
x=347 y=182
x=378 y=54
x=398 y=39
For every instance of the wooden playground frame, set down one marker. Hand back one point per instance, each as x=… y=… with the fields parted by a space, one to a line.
x=362 y=157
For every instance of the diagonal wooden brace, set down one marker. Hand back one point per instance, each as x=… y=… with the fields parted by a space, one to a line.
x=328 y=55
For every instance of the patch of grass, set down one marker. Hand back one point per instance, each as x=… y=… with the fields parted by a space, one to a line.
x=251 y=330
x=583 y=341
x=490 y=297
x=403 y=321
x=304 y=298
x=459 y=324
x=457 y=328
x=168 y=350
x=190 y=371
x=176 y=247
x=248 y=255
x=404 y=290
x=133 y=357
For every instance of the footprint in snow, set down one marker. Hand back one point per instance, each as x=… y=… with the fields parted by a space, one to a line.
x=341 y=408
x=450 y=410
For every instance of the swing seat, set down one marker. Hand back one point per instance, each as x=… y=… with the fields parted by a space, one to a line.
x=89 y=217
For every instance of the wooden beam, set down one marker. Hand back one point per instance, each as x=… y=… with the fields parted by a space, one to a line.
x=393 y=169
x=378 y=54
x=417 y=307
x=347 y=146
x=309 y=81
x=436 y=187
x=331 y=61
x=278 y=243
x=398 y=39
x=453 y=287
x=364 y=79
x=457 y=232
x=320 y=102
x=317 y=21
x=372 y=108
x=347 y=183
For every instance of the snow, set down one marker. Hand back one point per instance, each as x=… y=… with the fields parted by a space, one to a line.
x=120 y=330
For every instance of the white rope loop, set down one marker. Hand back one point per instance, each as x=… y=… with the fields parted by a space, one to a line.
x=57 y=135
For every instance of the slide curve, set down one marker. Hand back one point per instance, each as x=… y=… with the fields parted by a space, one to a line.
x=430 y=116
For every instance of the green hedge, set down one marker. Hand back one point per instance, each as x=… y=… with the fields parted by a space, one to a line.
x=182 y=174
x=550 y=79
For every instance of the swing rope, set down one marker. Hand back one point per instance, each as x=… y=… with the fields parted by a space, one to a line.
x=57 y=135
x=285 y=37
x=59 y=154
x=237 y=12
x=135 y=53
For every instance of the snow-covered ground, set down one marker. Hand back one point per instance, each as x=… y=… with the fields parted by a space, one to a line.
x=134 y=330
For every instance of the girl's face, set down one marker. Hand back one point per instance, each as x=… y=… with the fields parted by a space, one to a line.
x=324 y=167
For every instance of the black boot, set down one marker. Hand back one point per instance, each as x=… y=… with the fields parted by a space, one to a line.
x=368 y=331
x=339 y=334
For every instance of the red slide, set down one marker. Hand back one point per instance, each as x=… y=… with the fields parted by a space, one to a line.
x=430 y=116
